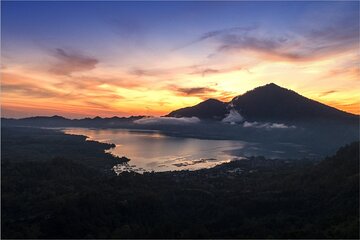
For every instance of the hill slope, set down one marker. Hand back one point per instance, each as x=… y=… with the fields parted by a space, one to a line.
x=267 y=103
x=274 y=103
x=209 y=109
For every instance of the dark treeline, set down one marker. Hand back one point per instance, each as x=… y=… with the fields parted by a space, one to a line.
x=22 y=144
x=51 y=193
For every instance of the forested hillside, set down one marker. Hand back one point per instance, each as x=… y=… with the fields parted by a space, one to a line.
x=67 y=197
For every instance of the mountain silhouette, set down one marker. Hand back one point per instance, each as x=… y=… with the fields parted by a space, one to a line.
x=209 y=109
x=266 y=103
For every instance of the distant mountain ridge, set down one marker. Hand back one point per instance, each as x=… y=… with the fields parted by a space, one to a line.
x=59 y=121
x=266 y=103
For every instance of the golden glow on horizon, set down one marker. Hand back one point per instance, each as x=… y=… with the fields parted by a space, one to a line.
x=106 y=91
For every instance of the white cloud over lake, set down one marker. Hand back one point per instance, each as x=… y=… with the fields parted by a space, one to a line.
x=233 y=117
x=266 y=125
x=167 y=120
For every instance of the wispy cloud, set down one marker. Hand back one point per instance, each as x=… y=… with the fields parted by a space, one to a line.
x=71 y=61
x=195 y=90
x=28 y=90
x=217 y=33
x=349 y=72
x=24 y=90
x=309 y=43
x=291 y=49
x=199 y=69
x=201 y=92
x=210 y=70
x=163 y=72
x=327 y=93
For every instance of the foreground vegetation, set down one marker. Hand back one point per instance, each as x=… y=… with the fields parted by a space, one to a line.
x=56 y=186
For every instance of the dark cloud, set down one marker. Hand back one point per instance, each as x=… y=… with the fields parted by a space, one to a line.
x=194 y=91
x=70 y=61
x=327 y=93
x=202 y=92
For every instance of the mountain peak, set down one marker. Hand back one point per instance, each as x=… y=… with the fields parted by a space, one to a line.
x=208 y=109
x=274 y=103
x=270 y=86
x=57 y=117
x=269 y=103
x=211 y=100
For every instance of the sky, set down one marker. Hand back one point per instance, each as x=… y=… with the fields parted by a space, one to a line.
x=86 y=59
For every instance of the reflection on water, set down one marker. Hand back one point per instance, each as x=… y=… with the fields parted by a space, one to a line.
x=153 y=151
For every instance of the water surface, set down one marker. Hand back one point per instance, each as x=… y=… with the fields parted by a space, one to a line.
x=154 y=151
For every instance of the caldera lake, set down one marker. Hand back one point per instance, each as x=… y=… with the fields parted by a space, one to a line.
x=150 y=150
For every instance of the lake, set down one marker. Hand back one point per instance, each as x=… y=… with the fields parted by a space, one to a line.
x=153 y=151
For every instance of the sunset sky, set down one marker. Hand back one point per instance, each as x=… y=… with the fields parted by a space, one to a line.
x=83 y=59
